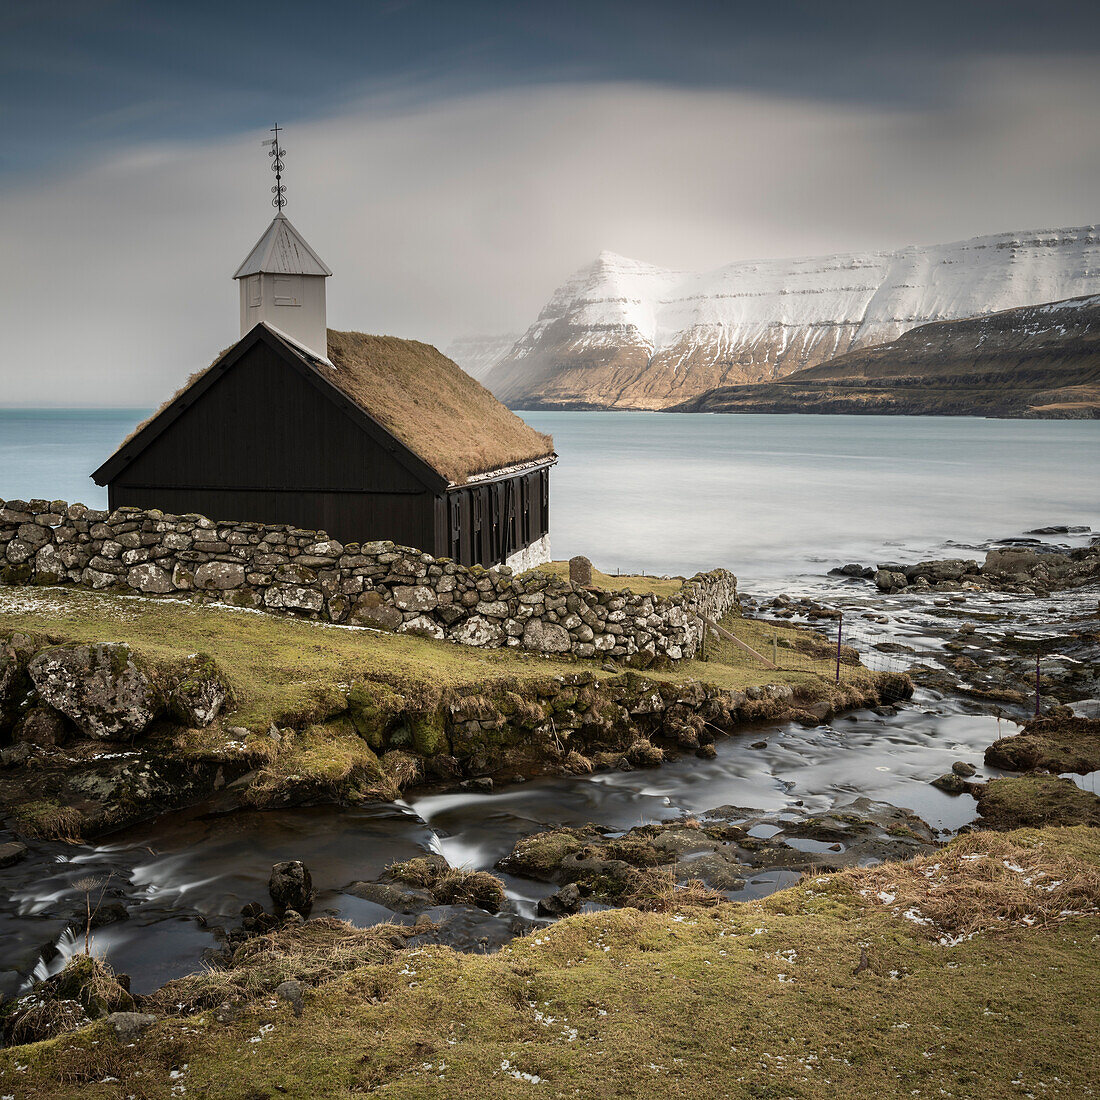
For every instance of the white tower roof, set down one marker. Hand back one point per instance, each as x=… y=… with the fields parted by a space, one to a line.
x=282 y=250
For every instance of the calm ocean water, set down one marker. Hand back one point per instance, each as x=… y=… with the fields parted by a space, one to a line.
x=768 y=496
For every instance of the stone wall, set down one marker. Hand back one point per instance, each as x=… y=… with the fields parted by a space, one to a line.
x=290 y=571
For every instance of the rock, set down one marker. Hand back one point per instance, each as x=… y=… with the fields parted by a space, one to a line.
x=1033 y=801
x=759 y=745
x=1060 y=529
x=291 y=887
x=370 y=611
x=422 y=626
x=483 y=784
x=149 y=577
x=1064 y=744
x=15 y=756
x=562 y=902
x=395 y=896
x=130 y=1026
x=644 y=754
x=219 y=576
x=198 y=694
x=887 y=580
x=580 y=571
x=99 y=688
x=14 y=683
x=950 y=783
x=12 y=852
x=41 y=726
x=478 y=631
x=706 y=752
x=414 y=597
x=963 y=769
x=291 y=992
x=544 y=637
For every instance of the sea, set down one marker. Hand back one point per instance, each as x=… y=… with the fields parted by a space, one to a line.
x=768 y=496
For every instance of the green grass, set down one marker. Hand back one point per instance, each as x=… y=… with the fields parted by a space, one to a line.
x=297 y=672
x=820 y=991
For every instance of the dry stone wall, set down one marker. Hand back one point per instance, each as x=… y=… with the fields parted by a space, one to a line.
x=286 y=570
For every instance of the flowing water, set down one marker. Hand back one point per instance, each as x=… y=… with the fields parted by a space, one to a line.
x=778 y=499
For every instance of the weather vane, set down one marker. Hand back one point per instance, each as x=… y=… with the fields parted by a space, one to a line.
x=277 y=152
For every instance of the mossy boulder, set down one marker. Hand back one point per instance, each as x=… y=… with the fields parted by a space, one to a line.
x=1031 y=801
x=541 y=855
x=1057 y=745
x=374 y=709
x=197 y=692
x=85 y=990
x=100 y=688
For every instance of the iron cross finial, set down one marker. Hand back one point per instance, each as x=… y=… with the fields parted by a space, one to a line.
x=277 y=152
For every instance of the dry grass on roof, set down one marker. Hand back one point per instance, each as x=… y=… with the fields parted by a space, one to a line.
x=428 y=402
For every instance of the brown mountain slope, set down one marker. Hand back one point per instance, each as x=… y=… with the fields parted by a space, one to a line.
x=1034 y=361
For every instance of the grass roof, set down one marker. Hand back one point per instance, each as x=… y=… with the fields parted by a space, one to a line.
x=423 y=398
x=433 y=406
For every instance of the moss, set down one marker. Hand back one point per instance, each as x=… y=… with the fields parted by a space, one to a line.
x=451 y=885
x=49 y=820
x=1036 y=800
x=541 y=855
x=373 y=708
x=429 y=734
x=330 y=762
x=819 y=991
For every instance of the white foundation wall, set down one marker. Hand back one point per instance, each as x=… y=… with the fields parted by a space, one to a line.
x=537 y=553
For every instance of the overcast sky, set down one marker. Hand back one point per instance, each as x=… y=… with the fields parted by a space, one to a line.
x=454 y=161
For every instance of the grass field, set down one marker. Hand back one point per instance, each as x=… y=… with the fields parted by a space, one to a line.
x=293 y=671
x=970 y=973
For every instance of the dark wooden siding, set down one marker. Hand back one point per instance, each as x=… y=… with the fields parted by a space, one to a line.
x=490 y=521
x=264 y=444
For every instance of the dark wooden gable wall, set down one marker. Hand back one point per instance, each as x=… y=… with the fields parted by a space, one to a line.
x=264 y=443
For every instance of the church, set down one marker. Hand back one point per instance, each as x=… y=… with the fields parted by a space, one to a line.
x=368 y=438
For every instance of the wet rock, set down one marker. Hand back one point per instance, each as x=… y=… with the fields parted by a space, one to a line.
x=417 y=884
x=483 y=784
x=759 y=745
x=1059 y=745
x=397 y=897
x=887 y=580
x=706 y=752
x=130 y=1026
x=963 y=769
x=562 y=902
x=12 y=852
x=41 y=726
x=98 y=687
x=950 y=783
x=291 y=887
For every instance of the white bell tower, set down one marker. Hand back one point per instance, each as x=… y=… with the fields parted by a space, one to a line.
x=282 y=280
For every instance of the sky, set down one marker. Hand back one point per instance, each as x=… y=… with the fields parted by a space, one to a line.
x=453 y=162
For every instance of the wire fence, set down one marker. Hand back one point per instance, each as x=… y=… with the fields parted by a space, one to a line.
x=843 y=645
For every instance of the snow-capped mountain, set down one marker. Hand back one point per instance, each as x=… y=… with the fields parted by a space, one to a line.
x=1034 y=361
x=625 y=334
x=477 y=355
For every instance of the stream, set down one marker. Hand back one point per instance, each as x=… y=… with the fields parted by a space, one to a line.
x=187 y=874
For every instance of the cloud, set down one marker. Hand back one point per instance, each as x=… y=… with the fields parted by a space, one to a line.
x=462 y=215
